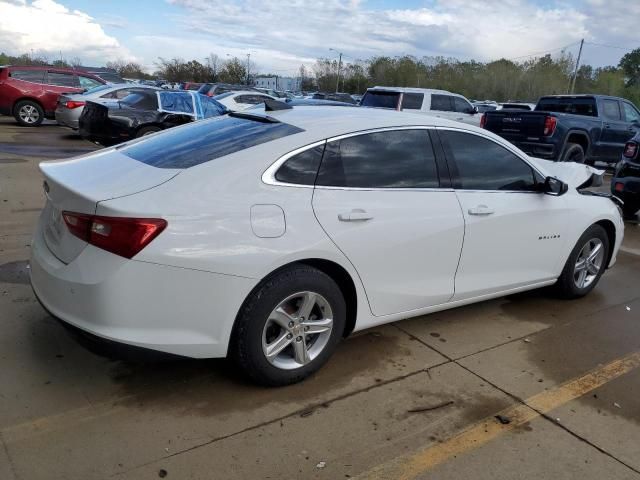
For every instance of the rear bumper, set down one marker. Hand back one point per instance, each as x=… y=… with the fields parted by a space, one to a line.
x=68 y=118
x=539 y=150
x=175 y=310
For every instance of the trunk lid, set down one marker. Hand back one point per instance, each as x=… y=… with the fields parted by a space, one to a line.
x=517 y=125
x=78 y=185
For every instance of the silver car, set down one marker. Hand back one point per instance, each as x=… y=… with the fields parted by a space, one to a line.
x=70 y=105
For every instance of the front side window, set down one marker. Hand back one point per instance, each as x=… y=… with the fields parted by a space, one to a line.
x=389 y=159
x=302 y=168
x=441 y=103
x=630 y=113
x=482 y=164
x=611 y=109
x=461 y=105
x=412 y=101
x=35 y=76
x=62 y=79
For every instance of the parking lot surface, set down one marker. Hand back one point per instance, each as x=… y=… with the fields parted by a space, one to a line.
x=415 y=399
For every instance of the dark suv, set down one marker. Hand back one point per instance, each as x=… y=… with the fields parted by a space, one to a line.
x=625 y=183
x=31 y=94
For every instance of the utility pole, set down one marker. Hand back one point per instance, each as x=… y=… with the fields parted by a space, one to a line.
x=248 y=59
x=339 y=66
x=575 y=72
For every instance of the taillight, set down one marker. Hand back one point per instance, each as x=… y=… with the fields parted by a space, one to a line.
x=120 y=235
x=619 y=187
x=483 y=120
x=630 y=150
x=72 y=104
x=550 y=126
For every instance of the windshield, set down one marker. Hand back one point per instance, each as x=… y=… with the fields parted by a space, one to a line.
x=576 y=106
x=110 y=77
x=380 y=99
x=205 y=141
x=99 y=88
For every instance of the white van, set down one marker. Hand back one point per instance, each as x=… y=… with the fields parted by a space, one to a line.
x=438 y=103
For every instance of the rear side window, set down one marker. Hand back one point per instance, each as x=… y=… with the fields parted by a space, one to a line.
x=302 y=168
x=412 y=101
x=441 y=103
x=611 y=109
x=461 y=105
x=482 y=164
x=62 y=79
x=141 y=99
x=380 y=99
x=206 y=140
x=35 y=76
x=390 y=159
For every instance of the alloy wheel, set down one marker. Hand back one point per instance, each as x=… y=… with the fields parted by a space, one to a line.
x=29 y=114
x=588 y=263
x=297 y=330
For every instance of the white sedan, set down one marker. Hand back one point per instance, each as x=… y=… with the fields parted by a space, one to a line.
x=268 y=237
x=241 y=100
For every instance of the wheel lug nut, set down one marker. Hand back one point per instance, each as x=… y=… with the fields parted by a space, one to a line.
x=299 y=339
x=291 y=324
x=289 y=336
x=306 y=329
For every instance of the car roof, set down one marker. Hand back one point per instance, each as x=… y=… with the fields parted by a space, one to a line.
x=410 y=89
x=328 y=122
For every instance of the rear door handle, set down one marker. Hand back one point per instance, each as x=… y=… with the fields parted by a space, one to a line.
x=480 y=210
x=355 y=215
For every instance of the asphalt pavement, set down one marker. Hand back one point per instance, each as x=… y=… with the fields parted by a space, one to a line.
x=415 y=399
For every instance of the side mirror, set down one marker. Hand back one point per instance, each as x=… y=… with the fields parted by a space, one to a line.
x=553 y=186
x=472 y=110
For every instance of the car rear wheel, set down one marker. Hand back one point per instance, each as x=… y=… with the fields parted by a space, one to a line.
x=573 y=153
x=147 y=131
x=289 y=326
x=28 y=113
x=585 y=265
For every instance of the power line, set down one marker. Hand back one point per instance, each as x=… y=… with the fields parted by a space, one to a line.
x=610 y=46
x=546 y=52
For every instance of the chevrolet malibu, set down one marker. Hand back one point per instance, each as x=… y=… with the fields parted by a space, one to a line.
x=269 y=236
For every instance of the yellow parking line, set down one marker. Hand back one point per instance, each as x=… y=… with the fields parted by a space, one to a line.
x=411 y=465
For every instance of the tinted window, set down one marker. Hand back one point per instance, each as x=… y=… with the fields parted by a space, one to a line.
x=577 y=106
x=611 y=109
x=110 y=77
x=393 y=159
x=484 y=165
x=380 y=99
x=141 y=99
x=630 y=113
x=301 y=168
x=441 y=103
x=62 y=79
x=412 y=101
x=206 y=140
x=97 y=89
x=87 y=83
x=223 y=95
x=35 y=76
x=461 y=105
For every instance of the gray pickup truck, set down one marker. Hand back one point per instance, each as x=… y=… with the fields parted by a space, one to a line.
x=574 y=128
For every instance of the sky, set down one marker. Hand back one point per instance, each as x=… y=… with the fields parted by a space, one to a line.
x=280 y=36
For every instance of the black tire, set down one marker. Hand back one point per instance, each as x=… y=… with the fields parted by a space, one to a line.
x=246 y=346
x=28 y=113
x=566 y=286
x=573 y=153
x=630 y=209
x=147 y=131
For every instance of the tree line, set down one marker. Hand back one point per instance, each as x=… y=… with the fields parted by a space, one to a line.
x=498 y=80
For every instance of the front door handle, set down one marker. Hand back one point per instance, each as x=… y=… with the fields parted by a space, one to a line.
x=481 y=210
x=355 y=215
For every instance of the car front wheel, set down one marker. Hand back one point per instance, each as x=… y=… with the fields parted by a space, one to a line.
x=585 y=265
x=289 y=326
x=28 y=113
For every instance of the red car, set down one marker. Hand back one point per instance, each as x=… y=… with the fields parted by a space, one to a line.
x=30 y=94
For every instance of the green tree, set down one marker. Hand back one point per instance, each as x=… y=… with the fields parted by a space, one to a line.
x=630 y=65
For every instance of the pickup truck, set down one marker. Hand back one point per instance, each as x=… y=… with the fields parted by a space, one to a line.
x=573 y=128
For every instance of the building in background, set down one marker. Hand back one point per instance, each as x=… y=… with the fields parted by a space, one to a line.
x=293 y=84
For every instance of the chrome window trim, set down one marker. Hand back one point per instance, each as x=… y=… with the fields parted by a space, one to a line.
x=269 y=175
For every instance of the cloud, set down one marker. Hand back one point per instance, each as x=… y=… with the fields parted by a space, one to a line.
x=48 y=28
x=478 y=29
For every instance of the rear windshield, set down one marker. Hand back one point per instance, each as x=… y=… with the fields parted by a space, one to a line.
x=576 y=106
x=380 y=99
x=204 y=141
